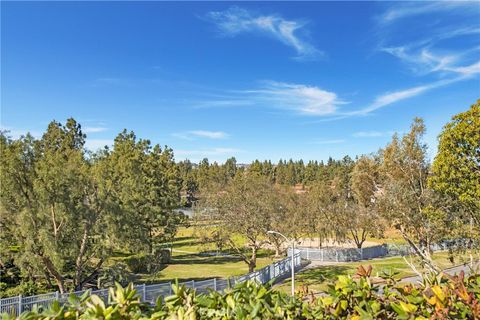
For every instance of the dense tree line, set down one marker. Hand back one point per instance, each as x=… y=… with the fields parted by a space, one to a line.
x=65 y=210
x=205 y=175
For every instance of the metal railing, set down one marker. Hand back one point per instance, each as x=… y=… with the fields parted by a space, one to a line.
x=150 y=293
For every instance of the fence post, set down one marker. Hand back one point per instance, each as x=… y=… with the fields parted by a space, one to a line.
x=19 y=305
x=193 y=284
x=336 y=255
x=144 y=293
x=215 y=284
x=321 y=253
x=361 y=253
x=308 y=255
x=57 y=296
x=170 y=289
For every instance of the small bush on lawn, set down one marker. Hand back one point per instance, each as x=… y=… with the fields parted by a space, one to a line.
x=147 y=263
x=138 y=263
x=349 y=298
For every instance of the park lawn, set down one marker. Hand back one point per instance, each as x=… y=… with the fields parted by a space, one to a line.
x=187 y=240
x=188 y=263
x=192 y=267
x=317 y=279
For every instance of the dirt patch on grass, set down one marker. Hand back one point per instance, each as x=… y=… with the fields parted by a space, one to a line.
x=314 y=243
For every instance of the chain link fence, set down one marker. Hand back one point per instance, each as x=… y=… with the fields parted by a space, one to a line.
x=341 y=254
x=384 y=250
x=150 y=293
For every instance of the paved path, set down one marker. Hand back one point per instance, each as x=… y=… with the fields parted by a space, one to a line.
x=183 y=251
x=413 y=279
x=451 y=271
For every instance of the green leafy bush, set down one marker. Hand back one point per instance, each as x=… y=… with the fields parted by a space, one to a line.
x=147 y=263
x=348 y=298
x=26 y=288
x=138 y=263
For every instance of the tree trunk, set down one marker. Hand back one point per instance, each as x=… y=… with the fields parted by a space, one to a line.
x=277 y=251
x=426 y=258
x=359 y=240
x=79 y=262
x=150 y=240
x=253 y=260
x=54 y=222
x=92 y=276
x=53 y=271
x=47 y=278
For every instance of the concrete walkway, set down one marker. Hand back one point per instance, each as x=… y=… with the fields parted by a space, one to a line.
x=466 y=268
x=450 y=271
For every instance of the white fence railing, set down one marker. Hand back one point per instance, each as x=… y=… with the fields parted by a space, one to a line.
x=150 y=293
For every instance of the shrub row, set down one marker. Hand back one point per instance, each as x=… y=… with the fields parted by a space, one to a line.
x=348 y=298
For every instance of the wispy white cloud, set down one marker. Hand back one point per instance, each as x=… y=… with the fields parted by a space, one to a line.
x=423 y=61
x=235 y=20
x=401 y=10
x=392 y=97
x=16 y=133
x=303 y=99
x=190 y=135
x=429 y=53
x=297 y=98
x=399 y=95
x=309 y=100
x=90 y=144
x=430 y=50
x=468 y=70
x=209 y=134
x=93 y=129
x=96 y=144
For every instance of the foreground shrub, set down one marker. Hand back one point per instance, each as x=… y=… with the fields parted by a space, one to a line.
x=348 y=298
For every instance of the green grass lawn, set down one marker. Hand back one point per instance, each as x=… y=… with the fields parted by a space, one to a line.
x=317 y=279
x=188 y=264
x=194 y=267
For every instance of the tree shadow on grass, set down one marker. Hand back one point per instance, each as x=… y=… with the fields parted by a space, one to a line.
x=199 y=259
x=184 y=241
x=317 y=276
x=181 y=280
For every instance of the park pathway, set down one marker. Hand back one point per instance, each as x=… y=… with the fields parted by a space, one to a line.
x=467 y=268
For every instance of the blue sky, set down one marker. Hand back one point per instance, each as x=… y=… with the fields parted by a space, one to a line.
x=252 y=80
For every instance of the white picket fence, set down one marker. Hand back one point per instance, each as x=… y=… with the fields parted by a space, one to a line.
x=150 y=293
